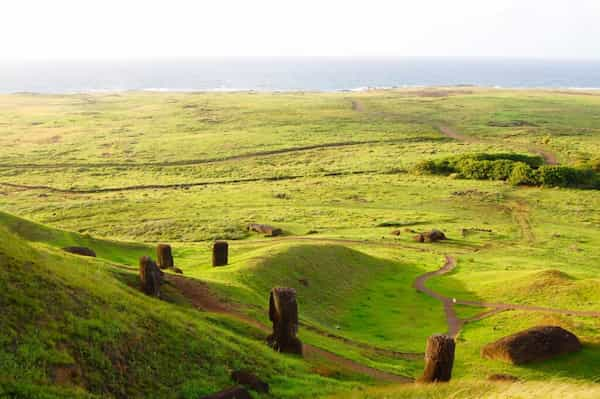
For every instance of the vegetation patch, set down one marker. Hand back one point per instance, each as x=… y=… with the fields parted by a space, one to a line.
x=518 y=169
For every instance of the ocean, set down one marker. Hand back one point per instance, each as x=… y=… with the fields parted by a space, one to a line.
x=293 y=74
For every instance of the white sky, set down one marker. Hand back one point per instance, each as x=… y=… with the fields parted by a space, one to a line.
x=132 y=28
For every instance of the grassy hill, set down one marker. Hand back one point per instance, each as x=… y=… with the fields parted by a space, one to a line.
x=79 y=327
x=121 y=172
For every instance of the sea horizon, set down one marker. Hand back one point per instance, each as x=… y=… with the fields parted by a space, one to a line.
x=294 y=74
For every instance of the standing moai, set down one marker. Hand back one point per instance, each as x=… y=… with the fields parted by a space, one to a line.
x=439 y=359
x=164 y=257
x=283 y=312
x=220 y=255
x=150 y=276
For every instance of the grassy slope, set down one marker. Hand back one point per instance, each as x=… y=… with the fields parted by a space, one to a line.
x=73 y=322
x=349 y=294
x=508 y=264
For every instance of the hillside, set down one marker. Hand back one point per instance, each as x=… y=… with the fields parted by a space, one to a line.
x=342 y=174
x=79 y=327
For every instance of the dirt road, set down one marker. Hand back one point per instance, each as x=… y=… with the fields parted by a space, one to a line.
x=455 y=323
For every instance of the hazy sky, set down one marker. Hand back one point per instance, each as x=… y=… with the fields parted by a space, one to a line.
x=131 y=28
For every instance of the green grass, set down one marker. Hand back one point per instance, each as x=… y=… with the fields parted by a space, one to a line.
x=338 y=202
x=81 y=317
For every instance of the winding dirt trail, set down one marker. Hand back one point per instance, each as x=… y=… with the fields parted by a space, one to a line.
x=455 y=323
x=200 y=297
x=549 y=157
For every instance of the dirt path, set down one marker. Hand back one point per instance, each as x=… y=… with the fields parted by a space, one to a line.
x=455 y=323
x=362 y=345
x=178 y=185
x=549 y=157
x=190 y=162
x=200 y=297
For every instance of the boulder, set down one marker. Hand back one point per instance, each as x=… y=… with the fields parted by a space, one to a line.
x=535 y=344
x=250 y=380
x=164 y=256
x=502 y=378
x=230 y=393
x=265 y=229
x=83 y=251
x=283 y=312
x=430 y=236
x=434 y=236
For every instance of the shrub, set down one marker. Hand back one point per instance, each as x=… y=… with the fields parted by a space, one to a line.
x=502 y=169
x=522 y=174
x=438 y=167
x=425 y=167
x=518 y=169
x=472 y=169
x=565 y=176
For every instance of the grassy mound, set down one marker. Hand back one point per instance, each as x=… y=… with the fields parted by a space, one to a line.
x=340 y=289
x=79 y=327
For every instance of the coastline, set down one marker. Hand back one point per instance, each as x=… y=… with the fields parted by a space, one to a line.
x=222 y=90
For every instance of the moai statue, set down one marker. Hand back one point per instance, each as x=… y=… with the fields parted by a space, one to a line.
x=283 y=312
x=164 y=257
x=439 y=359
x=150 y=277
x=220 y=253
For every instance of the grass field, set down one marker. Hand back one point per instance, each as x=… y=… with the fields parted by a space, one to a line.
x=122 y=172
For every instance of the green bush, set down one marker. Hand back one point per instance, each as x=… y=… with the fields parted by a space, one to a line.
x=518 y=169
x=522 y=174
x=433 y=167
x=502 y=169
x=472 y=169
x=564 y=176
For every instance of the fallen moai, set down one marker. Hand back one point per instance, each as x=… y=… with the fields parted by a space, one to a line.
x=220 y=255
x=250 y=380
x=534 y=344
x=439 y=359
x=164 y=256
x=150 y=277
x=431 y=236
x=83 y=251
x=283 y=312
x=230 y=393
x=265 y=229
